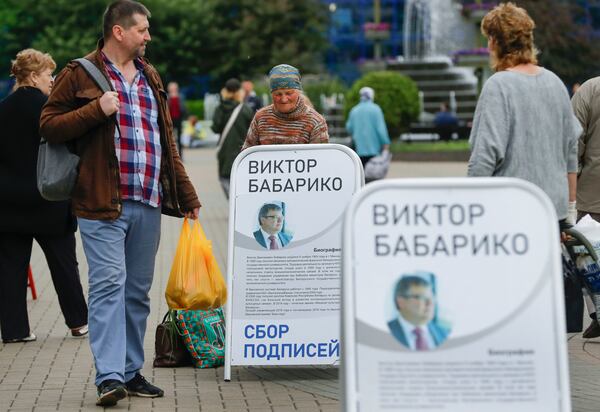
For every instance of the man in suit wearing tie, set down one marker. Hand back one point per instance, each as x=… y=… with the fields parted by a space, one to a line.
x=414 y=327
x=270 y=235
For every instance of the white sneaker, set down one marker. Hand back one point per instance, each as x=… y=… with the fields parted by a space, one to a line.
x=29 y=338
x=80 y=331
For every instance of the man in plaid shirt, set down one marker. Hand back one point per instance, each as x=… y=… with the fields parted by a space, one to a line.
x=129 y=172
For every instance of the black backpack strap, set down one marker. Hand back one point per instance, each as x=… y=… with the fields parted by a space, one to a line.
x=95 y=74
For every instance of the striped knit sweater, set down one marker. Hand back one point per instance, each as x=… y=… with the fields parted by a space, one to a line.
x=302 y=125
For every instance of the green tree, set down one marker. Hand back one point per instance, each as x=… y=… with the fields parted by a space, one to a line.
x=564 y=39
x=396 y=94
x=66 y=29
x=180 y=33
x=251 y=36
x=221 y=38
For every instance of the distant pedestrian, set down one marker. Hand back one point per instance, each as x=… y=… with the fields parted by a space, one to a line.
x=231 y=119
x=367 y=126
x=445 y=122
x=524 y=125
x=289 y=120
x=177 y=111
x=24 y=215
x=251 y=99
x=129 y=171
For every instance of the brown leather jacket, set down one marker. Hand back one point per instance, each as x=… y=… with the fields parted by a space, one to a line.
x=73 y=114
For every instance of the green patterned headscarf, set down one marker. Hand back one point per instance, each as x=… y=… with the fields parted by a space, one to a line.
x=284 y=76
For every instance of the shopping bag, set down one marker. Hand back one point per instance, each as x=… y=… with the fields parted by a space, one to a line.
x=590 y=272
x=204 y=336
x=169 y=348
x=195 y=281
x=377 y=166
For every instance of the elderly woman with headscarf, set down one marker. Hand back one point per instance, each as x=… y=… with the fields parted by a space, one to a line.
x=289 y=120
x=367 y=127
x=524 y=125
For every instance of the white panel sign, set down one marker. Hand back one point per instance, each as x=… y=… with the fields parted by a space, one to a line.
x=453 y=298
x=284 y=261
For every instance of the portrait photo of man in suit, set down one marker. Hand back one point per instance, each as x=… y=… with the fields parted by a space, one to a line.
x=415 y=326
x=271 y=219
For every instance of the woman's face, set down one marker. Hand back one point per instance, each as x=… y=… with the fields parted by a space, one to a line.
x=43 y=81
x=285 y=100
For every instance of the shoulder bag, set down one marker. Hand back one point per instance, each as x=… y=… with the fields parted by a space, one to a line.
x=57 y=167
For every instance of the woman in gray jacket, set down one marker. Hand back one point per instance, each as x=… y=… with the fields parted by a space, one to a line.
x=524 y=125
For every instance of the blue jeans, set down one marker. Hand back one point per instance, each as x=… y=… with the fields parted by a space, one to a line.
x=120 y=255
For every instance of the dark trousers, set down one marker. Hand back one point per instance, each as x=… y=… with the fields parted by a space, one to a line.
x=15 y=253
x=365 y=159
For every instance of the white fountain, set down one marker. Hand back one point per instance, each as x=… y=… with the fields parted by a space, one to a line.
x=433 y=30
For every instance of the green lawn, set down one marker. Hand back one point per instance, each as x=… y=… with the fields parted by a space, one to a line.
x=452 y=146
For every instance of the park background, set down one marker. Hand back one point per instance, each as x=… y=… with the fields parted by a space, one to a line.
x=416 y=54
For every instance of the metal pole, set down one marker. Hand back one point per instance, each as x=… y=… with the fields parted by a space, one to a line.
x=377 y=19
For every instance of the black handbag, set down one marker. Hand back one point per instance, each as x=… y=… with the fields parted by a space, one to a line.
x=57 y=166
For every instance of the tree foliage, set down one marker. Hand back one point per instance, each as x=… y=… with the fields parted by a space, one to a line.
x=220 y=38
x=564 y=39
x=263 y=33
x=66 y=29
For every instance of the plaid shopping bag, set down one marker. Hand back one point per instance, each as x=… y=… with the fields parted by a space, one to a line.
x=204 y=336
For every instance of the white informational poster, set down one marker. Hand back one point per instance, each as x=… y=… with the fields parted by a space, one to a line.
x=284 y=261
x=453 y=298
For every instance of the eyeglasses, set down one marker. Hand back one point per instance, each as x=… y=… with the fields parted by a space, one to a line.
x=274 y=217
x=419 y=298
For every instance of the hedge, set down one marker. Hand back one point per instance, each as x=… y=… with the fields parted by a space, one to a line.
x=396 y=94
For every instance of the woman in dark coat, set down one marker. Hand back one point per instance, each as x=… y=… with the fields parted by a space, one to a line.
x=231 y=142
x=24 y=215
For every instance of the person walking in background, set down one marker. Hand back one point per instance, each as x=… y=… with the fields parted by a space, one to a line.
x=25 y=215
x=129 y=171
x=367 y=126
x=585 y=103
x=445 y=123
x=177 y=111
x=289 y=120
x=251 y=99
x=524 y=125
x=231 y=119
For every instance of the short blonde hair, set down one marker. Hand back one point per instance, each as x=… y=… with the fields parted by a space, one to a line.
x=511 y=29
x=30 y=61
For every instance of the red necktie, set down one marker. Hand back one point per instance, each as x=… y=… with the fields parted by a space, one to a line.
x=273 y=244
x=420 y=343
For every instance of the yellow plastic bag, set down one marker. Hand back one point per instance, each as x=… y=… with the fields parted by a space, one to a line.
x=195 y=282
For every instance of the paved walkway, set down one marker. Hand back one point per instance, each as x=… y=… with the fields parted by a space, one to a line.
x=56 y=373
